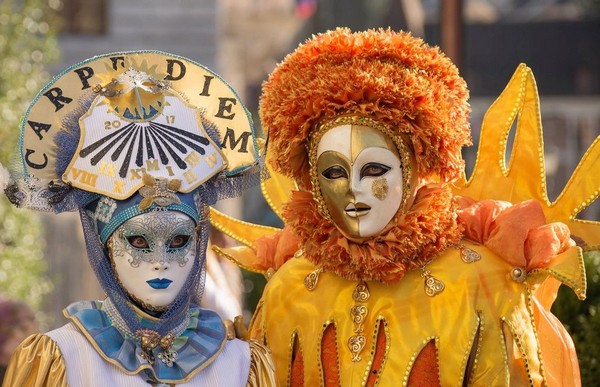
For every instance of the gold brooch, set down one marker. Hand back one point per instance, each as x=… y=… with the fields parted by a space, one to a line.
x=150 y=339
x=158 y=191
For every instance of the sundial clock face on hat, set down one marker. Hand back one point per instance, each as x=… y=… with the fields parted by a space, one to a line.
x=138 y=112
x=171 y=143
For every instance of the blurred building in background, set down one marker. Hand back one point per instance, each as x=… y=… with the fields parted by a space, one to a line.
x=242 y=40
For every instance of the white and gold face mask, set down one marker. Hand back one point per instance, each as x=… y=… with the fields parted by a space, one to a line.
x=360 y=176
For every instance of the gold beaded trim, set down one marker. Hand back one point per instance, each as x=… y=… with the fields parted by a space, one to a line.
x=473 y=346
x=413 y=358
x=535 y=333
x=502 y=345
x=579 y=290
x=294 y=339
x=481 y=328
x=326 y=325
x=519 y=343
x=315 y=138
x=378 y=322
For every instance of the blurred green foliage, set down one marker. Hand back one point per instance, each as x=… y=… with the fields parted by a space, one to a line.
x=582 y=319
x=27 y=44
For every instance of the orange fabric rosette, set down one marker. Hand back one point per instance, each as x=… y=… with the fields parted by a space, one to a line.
x=517 y=233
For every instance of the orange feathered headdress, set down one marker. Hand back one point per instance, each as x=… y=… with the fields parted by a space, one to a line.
x=389 y=76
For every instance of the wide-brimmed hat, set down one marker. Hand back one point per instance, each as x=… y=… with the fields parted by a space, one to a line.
x=119 y=133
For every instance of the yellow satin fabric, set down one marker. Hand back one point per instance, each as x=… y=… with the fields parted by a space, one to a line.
x=478 y=294
x=37 y=361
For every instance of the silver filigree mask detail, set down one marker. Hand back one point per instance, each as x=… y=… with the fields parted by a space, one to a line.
x=160 y=236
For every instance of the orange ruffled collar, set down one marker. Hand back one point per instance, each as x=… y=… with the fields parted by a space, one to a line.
x=410 y=241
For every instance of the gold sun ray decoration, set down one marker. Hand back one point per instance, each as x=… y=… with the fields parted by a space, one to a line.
x=133 y=91
x=276 y=192
x=524 y=177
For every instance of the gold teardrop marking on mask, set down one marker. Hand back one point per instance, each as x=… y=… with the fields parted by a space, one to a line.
x=380 y=188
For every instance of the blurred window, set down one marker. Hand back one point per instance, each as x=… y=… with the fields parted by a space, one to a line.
x=83 y=17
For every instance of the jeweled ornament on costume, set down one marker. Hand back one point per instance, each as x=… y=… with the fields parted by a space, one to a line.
x=159 y=191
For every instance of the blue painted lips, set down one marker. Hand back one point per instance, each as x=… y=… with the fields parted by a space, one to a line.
x=159 y=283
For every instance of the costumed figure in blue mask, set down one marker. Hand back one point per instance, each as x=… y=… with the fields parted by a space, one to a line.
x=141 y=144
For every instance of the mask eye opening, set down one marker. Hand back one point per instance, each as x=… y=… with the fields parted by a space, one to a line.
x=335 y=172
x=138 y=242
x=179 y=241
x=374 y=169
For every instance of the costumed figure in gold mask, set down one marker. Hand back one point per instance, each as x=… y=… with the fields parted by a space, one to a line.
x=141 y=143
x=392 y=269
